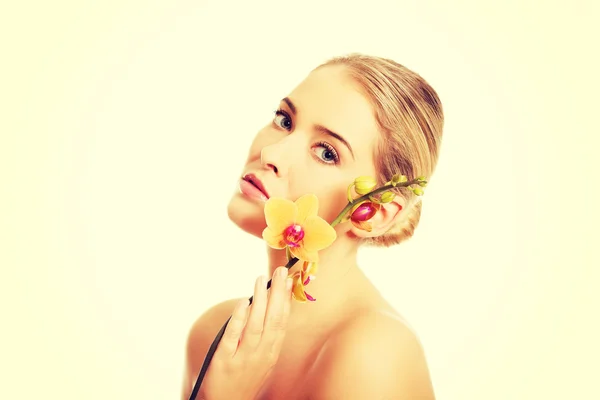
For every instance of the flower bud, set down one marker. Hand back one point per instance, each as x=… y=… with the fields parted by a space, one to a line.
x=387 y=197
x=396 y=179
x=364 y=184
x=364 y=212
x=418 y=191
x=374 y=200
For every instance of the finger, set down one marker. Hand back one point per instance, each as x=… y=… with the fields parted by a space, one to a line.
x=233 y=331
x=278 y=310
x=254 y=325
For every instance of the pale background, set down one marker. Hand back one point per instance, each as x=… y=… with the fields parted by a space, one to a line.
x=124 y=126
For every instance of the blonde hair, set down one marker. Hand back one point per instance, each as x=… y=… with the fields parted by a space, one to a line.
x=410 y=117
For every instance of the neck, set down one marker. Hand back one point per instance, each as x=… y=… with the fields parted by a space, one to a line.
x=337 y=274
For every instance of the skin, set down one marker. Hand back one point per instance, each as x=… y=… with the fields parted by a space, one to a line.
x=334 y=347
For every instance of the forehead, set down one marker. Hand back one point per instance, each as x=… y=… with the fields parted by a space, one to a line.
x=329 y=97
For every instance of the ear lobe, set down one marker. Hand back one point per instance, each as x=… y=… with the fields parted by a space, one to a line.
x=382 y=221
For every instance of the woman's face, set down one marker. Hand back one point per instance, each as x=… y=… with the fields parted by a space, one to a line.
x=321 y=138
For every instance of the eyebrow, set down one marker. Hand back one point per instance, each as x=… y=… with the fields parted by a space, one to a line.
x=321 y=128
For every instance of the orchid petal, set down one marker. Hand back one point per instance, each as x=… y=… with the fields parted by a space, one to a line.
x=308 y=206
x=363 y=225
x=303 y=254
x=280 y=213
x=273 y=239
x=318 y=234
x=309 y=268
x=297 y=288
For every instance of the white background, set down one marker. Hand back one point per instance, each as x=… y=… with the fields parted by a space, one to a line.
x=125 y=125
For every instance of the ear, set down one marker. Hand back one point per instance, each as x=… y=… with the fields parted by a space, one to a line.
x=384 y=219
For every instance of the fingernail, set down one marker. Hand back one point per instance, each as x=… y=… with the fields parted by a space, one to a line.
x=283 y=272
x=288 y=283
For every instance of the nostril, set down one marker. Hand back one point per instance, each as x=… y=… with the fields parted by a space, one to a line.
x=273 y=167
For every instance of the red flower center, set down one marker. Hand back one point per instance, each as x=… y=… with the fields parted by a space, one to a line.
x=293 y=234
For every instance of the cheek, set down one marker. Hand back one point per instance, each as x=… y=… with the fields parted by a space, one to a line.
x=332 y=203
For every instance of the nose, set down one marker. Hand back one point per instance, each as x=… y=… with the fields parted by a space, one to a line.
x=273 y=157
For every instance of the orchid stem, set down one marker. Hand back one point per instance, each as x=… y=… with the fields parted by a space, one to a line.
x=367 y=196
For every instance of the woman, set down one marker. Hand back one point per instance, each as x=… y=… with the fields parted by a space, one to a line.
x=352 y=116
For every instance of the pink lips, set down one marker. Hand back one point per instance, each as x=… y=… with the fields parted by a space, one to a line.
x=252 y=187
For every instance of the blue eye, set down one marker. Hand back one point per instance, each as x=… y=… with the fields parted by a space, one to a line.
x=326 y=153
x=282 y=120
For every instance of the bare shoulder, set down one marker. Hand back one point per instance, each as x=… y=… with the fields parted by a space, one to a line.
x=374 y=355
x=200 y=337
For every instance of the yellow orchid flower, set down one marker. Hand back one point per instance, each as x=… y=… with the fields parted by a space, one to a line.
x=297 y=226
x=301 y=279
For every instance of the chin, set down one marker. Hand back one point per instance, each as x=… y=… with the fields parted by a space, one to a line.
x=248 y=215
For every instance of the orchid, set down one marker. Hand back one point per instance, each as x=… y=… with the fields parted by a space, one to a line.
x=362 y=213
x=301 y=279
x=297 y=227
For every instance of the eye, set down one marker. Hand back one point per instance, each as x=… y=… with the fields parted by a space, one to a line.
x=326 y=153
x=282 y=120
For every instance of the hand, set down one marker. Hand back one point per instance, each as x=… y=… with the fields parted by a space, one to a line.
x=251 y=342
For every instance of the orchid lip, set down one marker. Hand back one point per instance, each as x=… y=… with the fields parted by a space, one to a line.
x=253 y=179
x=293 y=235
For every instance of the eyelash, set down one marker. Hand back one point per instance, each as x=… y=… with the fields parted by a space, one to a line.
x=330 y=148
x=281 y=113
x=336 y=158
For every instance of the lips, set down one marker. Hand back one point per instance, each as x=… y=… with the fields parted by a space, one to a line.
x=252 y=179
